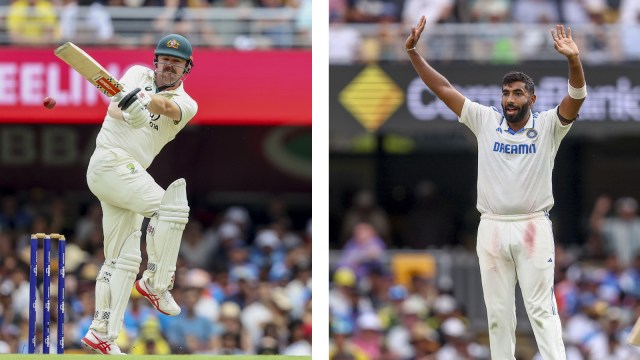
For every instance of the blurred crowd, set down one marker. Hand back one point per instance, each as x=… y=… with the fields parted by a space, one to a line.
x=240 y=24
x=243 y=278
x=380 y=311
x=496 y=31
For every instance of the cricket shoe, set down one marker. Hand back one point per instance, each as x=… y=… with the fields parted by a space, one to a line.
x=163 y=301
x=99 y=343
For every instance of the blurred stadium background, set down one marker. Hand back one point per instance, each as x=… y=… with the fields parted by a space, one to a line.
x=244 y=272
x=404 y=273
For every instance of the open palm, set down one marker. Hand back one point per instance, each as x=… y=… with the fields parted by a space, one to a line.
x=414 y=36
x=563 y=42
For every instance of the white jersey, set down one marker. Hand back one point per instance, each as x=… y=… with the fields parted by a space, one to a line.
x=145 y=143
x=514 y=168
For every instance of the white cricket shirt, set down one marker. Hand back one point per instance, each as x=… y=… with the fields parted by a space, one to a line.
x=145 y=143
x=514 y=169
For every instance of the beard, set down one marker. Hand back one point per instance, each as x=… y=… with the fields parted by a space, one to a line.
x=166 y=78
x=517 y=117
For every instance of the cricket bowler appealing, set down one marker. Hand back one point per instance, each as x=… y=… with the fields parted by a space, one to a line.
x=154 y=108
x=516 y=151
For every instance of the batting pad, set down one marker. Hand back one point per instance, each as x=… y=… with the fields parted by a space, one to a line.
x=126 y=269
x=166 y=231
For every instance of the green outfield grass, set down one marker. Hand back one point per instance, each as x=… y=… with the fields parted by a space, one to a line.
x=158 y=357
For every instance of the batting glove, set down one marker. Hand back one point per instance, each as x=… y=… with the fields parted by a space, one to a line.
x=137 y=118
x=133 y=99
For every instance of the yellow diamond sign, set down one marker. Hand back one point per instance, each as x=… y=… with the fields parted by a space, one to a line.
x=372 y=97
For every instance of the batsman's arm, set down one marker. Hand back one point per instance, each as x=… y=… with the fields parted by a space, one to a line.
x=160 y=105
x=571 y=103
x=433 y=79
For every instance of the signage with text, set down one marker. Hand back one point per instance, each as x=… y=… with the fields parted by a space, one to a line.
x=231 y=88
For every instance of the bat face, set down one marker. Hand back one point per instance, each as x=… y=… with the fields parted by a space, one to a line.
x=90 y=69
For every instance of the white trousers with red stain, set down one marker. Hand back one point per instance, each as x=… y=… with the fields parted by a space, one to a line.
x=519 y=248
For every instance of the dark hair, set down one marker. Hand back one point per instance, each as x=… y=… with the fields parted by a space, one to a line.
x=514 y=76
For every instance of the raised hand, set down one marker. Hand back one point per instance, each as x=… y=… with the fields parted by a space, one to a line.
x=414 y=36
x=563 y=43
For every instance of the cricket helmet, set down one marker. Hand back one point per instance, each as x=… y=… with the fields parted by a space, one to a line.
x=175 y=45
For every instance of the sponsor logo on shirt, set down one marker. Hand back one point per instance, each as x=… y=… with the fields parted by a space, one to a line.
x=514 y=148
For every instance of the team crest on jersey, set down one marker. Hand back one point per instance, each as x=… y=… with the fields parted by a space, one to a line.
x=132 y=168
x=173 y=43
x=532 y=134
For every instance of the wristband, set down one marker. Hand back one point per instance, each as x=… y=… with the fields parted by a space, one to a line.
x=577 y=94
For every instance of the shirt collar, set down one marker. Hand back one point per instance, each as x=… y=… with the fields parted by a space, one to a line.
x=529 y=125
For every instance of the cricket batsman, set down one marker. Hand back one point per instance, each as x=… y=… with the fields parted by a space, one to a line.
x=154 y=108
x=516 y=152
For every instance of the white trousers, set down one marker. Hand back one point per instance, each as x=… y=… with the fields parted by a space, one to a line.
x=127 y=194
x=519 y=248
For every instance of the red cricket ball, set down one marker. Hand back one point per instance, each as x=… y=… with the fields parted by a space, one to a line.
x=49 y=102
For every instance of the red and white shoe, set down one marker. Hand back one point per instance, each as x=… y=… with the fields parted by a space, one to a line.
x=101 y=344
x=163 y=301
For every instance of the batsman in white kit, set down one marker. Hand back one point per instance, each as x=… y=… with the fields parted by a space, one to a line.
x=516 y=152
x=154 y=108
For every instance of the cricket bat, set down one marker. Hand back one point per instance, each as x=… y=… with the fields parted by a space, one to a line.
x=634 y=335
x=90 y=69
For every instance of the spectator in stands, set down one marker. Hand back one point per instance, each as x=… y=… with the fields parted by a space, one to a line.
x=341 y=346
x=586 y=332
x=390 y=313
x=268 y=250
x=373 y=11
x=299 y=339
x=399 y=336
x=366 y=209
x=230 y=344
x=364 y=251
x=257 y=314
x=425 y=342
x=150 y=340
x=630 y=279
x=190 y=331
x=369 y=336
x=32 y=22
x=436 y=11
x=489 y=11
x=176 y=19
x=229 y=323
x=630 y=28
x=344 y=42
x=535 y=12
x=277 y=32
x=298 y=289
x=344 y=298
x=610 y=289
x=457 y=343
x=240 y=216
x=247 y=283
x=94 y=24
x=303 y=22
x=13 y=217
x=136 y=315
x=195 y=249
x=226 y=239
x=89 y=223
x=338 y=8
x=621 y=232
